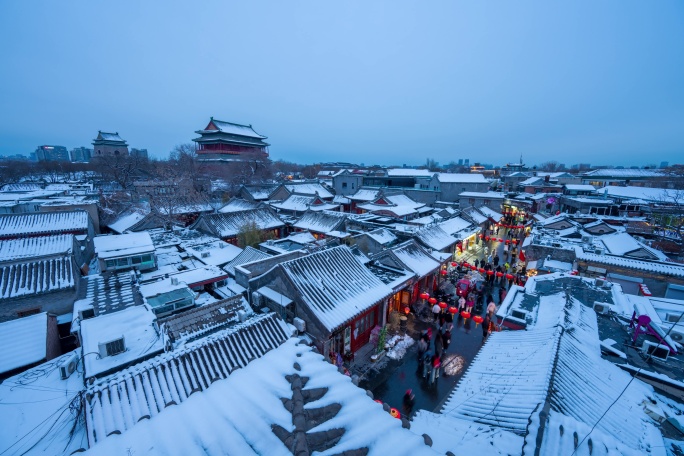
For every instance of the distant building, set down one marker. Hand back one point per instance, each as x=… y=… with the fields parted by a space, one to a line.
x=109 y=144
x=142 y=153
x=664 y=164
x=52 y=153
x=81 y=154
x=221 y=142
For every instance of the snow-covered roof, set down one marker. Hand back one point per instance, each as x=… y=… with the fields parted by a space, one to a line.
x=309 y=188
x=23 y=341
x=134 y=323
x=21 y=225
x=580 y=187
x=126 y=221
x=238 y=204
x=122 y=245
x=643 y=193
x=321 y=222
x=246 y=256
x=229 y=224
x=14 y=249
x=590 y=200
x=335 y=285
x=158 y=287
x=103 y=135
x=490 y=213
x=36 y=276
x=409 y=172
x=486 y=195
x=473 y=178
x=400 y=205
x=382 y=236
x=415 y=258
x=532 y=181
x=622 y=173
x=248 y=410
x=200 y=276
x=476 y=215
x=234 y=129
x=665 y=268
x=365 y=194
x=301 y=203
x=187 y=209
x=620 y=243
x=36 y=406
x=215 y=253
x=435 y=237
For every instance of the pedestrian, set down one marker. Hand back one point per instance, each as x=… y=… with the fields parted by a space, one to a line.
x=470 y=302
x=427 y=364
x=436 y=364
x=485 y=327
x=439 y=348
x=408 y=401
x=446 y=340
x=491 y=308
x=506 y=266
x=496 y=260
x=489 y=259
x=435 y=312
x=461 y=303
x=449 y=320
x=502 y=294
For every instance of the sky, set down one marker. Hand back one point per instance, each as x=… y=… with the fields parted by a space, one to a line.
x=383 y=82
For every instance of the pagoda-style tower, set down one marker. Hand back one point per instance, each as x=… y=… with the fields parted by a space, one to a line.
x=227 y=142
x=109 y=144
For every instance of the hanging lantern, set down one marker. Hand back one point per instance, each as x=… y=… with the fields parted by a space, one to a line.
x=490 y=272
x=480 y=235
x=499 y=274
x=508 y=242
x=466 y=265
x=442 y=305
x=453 y=310
x=453 y=264
x=500 y=240
x=473 y=267
x=424 y=295
x=487 y=238
x=378 y=401
x=443 y=272
x=407 y=310
x=432 y=301
x=395 y=413
x=482 y=270
x=515 y=242
x=465 y=314
x=509 y=276
x=477 y=319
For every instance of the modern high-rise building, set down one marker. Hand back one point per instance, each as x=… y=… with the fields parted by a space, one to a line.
x=81 y=154
x=52 y=153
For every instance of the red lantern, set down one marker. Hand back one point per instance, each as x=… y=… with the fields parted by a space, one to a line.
x=407 y=310
x=499 y=274
x=378 y=401
x=500 y=240
x=515 y=242
x=465 y=314
x=453 y=310
x=442 y=305
x=466 y=265
x=473 y=267
x=453 y=264
x=482 y=270
x=508 y=242
x=432 y=301
x=424 y=295
x=487 y=238
x=477 y=319
x=490 y=272
x=480 y=235
x=395 y=413
x=443 y=272
x=509 y=276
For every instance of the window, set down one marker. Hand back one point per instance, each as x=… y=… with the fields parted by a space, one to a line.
x=121 y=262
x=110 y=264
x=471 y=201
x=352 y=185
x=136 y=260
x=115 y=347
x=344 y=185
x=147 y=258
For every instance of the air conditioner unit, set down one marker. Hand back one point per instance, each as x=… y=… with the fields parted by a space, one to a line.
x=600 y=251
x=674 y=317
x=206 y=254
x=656 y=351
x=677 y=335
x=299 y=324
x=111 y=348
x=242 y=316
x=600 y=283
x=69 y=365
x=588 y=239
x=602 y=307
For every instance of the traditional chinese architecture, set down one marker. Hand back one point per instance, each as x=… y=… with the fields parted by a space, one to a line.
x=108 y=144
x=229 y=142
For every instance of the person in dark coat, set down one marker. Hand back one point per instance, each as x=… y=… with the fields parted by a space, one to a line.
x=439 y=348
x=407 y=403
x=446 y=340
x=485 y=327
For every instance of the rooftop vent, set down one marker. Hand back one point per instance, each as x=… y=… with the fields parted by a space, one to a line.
x=111 y=348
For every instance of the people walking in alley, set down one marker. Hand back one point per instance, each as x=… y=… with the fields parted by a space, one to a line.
x=489 y=258
x=436 y=310
x=427 y=364
x=461 y=303
x=485 y=327
x=422 y=349
x=470 y=302
x=491 y=308
x=436 y=364
x=496 y=260
x=446 y=339
x=439 y=348
x=407 y=403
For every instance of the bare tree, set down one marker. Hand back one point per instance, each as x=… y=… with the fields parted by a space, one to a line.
x=551 y=166
x=122 y=169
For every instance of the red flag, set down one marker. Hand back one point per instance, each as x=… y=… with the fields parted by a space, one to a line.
x=521 y=256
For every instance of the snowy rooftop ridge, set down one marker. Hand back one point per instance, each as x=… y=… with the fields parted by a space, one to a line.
x=37 y=276
x=118 y=402
x=435 y=237
x=673 y=269
x=15 y=249
x=226 y=225
x=335 y=285
x=321 y=222
x=23 y=341
x=21 y=225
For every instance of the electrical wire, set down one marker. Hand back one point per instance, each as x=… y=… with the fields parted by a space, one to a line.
x=648 y=358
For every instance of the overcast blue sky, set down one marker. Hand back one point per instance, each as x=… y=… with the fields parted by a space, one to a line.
x=374 y=82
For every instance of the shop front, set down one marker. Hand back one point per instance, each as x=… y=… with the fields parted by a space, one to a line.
x=355 y=334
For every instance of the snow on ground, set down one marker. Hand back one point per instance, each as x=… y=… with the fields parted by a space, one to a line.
x=398 y=346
